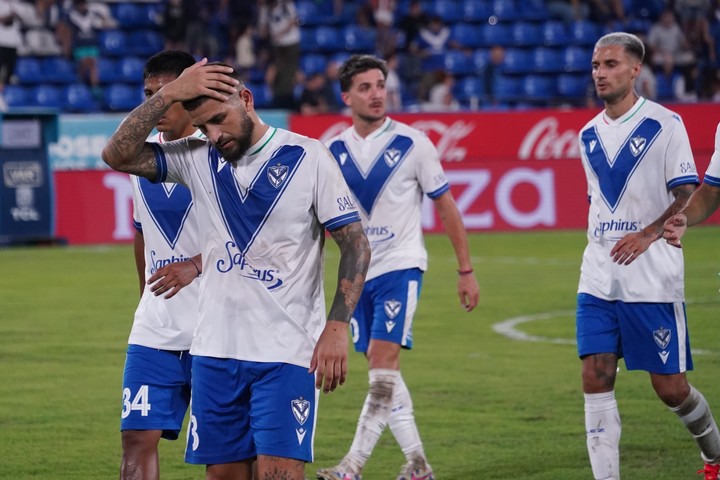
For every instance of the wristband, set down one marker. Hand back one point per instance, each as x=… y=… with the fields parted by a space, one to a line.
x=196 y=267
x=464 y=272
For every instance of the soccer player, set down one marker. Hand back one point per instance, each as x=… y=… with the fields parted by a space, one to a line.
x=630 y=303
x=263 y=198
x=389 y=166
x=703 y=202
x=156 y=380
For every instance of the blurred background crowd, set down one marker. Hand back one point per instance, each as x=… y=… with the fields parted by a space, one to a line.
x=443 y=55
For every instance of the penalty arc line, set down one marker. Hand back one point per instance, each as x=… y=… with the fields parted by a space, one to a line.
x=508 y=329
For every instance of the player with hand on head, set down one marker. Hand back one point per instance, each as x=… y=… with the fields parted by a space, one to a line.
x=156 y=379
x=640 y=171
x=703 y=202
x=264 y=196
x=389 y=166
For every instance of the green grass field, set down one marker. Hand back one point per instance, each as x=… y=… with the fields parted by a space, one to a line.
x=488 y=406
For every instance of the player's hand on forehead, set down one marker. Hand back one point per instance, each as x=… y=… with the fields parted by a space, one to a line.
x=202 y=79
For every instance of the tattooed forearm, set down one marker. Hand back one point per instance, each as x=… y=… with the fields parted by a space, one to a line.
x=126 y=150
x=354 y=262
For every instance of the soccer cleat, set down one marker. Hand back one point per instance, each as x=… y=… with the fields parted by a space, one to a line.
x=338 y=472
x=711 y=472
x=409 y=472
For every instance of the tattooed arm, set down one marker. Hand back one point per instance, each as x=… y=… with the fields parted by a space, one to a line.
x=127 y=151
x=330 y=356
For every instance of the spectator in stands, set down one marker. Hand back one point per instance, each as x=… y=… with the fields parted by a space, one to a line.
x=10 y=39
x=278 y=22
x=409 y=26
x=383 y=14
x=317 y=96
x=245 y=58
x=218 y=28
x=491 y=71
x=441 y=98
x=669 y=44
x=433 y=38
x=174 y=20
x=197 y=15
x=86 y=21
x=393 y=85
x=646 y=83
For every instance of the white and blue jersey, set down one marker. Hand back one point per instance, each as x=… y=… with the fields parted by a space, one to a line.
x=632 y=164
x=712 y=174
x=388 y=173
x=261 y=222
x=164 y=214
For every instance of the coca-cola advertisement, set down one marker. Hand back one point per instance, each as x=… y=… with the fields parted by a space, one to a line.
x=517 y=170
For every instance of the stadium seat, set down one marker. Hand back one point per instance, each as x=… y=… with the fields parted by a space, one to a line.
x=120 y=97
x=127 y=14
x=554 y=34
x=480 y=58
x=577 y=59
x=507 y=10
x=584 y=33
x=108 y=71
x=58 y=70
x=547 y=60
x=313 y=63
x=17 y=96
x=328 y=39
x=131 y=69
x=507 y=88
x=526 y=34
x=262 y=95
x=573 y=86
x=28 y=70
x=498 y=34
x=359 y=39
x=517 y=60
x=48 y=96
x=145 y=43
x=113 y=43
x=466 y=35
x=534 y=11
x=476 y=10
x=458 y=63
x=79 y=98
x=433 y=62
x=449 y=10
x=539 y=87
x=468 y=88
x=309 y=14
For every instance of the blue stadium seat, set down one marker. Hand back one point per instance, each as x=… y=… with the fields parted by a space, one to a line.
x=507 y=88
x=498 y=34
x=309 y=14
x=480 y=58
x=359 y=39
x=554 y=34
x=432 y=62
x=577 y=59
x=547 y=60
x=28 y=70
x=145 y=42
x=131 y=69
x=469 y=87
x=129 y=15
x=17 y=96
x=526 y=34
x=48 y=96
x=466 y=35
x=584 y=32
x=539 y=87
x=458 y=63
x=113 y=43
x=79 y=98
x=120 y=97
x=517 y=60
x=534 y=11
x=58 y=70
x=449 y=10
x=262 y=96
x=108 y=71
x=313 y=63
x=328 y=39
x=573 y=86
x=506 y=10
x=476 y=10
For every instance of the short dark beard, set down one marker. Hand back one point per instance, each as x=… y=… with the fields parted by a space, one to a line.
x=244 y=142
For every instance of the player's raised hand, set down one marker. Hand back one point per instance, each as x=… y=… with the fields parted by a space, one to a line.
x=202 y=80
x=329 y=359
x=674 y=229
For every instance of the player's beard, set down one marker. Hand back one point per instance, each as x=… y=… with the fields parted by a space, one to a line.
x=242 y=142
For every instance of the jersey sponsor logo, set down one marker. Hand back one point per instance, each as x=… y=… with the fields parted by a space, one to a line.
x=377 y=235
x=616 y=226
x=245 y=211
x=158 y=263
x=169 y=205
x=614 y=174
x=368 y=185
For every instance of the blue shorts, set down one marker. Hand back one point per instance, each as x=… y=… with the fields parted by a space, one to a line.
x=650 y=336
x=242 y=409
x=156 y=390
x=386 y=308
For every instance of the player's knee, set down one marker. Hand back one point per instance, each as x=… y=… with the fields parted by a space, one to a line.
x=140 y=442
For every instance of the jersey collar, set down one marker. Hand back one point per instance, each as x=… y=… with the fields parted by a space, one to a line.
x=376 y=133
x=255 y=149
x=628 y=115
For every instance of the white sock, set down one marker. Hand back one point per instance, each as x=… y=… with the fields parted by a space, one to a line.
x=602 y=425
x=695 y=414
x=373 y=417
x=403 y=427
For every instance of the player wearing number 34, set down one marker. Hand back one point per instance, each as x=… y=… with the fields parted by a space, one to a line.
x=263 y=197
x=631 y=302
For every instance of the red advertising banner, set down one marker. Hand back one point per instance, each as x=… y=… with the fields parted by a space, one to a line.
x=508 y=171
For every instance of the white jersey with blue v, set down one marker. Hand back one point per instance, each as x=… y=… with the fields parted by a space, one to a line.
x=632 y=163
x=261 y=221
x=164 y=214
x=388 y=172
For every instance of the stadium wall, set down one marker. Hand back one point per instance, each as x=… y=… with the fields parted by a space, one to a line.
x=508 y=170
